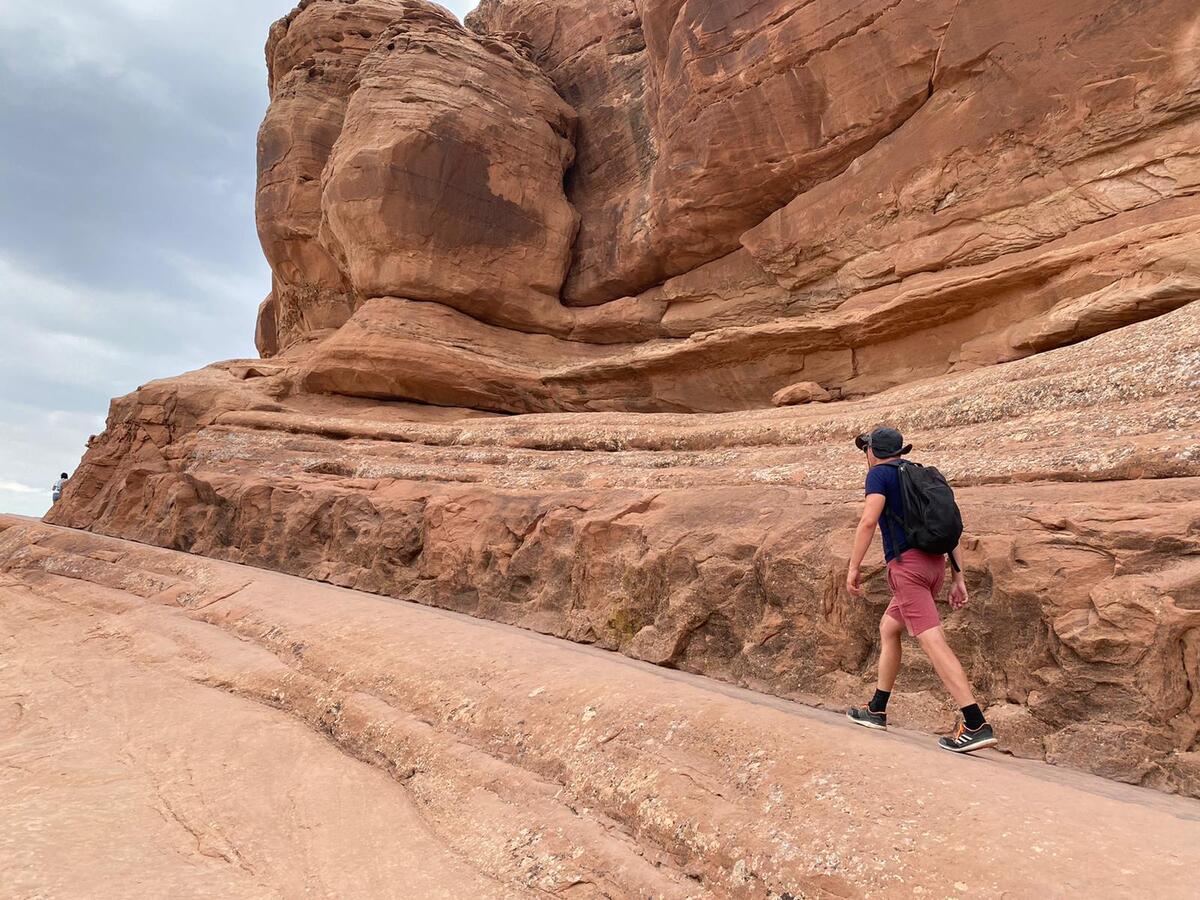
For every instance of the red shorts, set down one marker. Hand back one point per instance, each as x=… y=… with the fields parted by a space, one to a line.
x=916 y=578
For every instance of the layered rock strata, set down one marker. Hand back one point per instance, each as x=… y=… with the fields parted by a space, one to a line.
x=718 y=544
x=968 y=200
x=704 y=118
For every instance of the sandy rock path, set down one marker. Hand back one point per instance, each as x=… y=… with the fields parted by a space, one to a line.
x=175 y=726
x=124 y=778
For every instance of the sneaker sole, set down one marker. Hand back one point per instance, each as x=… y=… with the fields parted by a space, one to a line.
x=982 y=745
x=870 y=725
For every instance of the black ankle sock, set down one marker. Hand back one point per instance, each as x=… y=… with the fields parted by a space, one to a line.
x=878 y=703
x=973 y=717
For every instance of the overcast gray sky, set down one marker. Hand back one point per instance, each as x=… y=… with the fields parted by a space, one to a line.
x=127 y=242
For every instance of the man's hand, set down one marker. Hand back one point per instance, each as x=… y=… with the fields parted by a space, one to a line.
x=863 y=535
x=852 y=583
x=958 y=593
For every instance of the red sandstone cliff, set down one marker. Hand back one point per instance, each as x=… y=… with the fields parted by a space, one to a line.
x=537 y=280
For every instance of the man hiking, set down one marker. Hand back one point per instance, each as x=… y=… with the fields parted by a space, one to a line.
x=56 y=492
x=915 y=576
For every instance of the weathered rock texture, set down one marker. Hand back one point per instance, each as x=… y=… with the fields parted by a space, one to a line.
x=978 y=222
x=778 y=191
x=177 y=722
x=446 y=182
x=313 y=57
x=702 y=118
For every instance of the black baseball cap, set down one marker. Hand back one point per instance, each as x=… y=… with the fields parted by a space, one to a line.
x=884 y=441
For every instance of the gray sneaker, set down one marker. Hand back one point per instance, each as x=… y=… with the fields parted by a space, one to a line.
x=966 y=741
x=862 y=715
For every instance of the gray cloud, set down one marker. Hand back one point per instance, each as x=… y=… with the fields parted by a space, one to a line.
x=127 y=242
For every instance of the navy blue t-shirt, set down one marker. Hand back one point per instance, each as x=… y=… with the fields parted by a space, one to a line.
x=885 y=479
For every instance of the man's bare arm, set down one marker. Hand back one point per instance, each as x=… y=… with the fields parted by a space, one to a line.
x=958 y=591
x=863 y=536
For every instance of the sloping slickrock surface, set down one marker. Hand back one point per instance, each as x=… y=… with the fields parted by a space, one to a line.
x=189 y=727
x=718 y=544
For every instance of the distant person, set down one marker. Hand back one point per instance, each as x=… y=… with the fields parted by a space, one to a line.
x=56 y=492
x=914 y=508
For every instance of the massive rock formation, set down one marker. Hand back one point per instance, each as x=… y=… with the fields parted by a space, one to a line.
x=313 y=56
x=854 y=195
x=979 y=222
x=446 y=182
x=702 y=118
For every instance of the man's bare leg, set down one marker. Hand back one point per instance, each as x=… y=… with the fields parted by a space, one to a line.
x=890 y=651
x=973 y=732
x=946 y=664
x=874 y=714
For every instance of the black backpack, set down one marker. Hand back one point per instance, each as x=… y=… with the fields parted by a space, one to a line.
x=932 y=521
